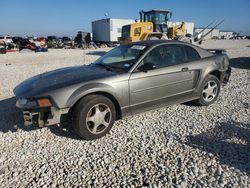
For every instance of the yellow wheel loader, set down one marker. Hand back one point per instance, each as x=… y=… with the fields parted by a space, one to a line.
x=154 y=25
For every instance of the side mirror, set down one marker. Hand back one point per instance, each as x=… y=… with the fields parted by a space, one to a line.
x=146 y=67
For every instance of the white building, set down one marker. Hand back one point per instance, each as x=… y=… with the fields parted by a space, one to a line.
x=214 y=34
x=226 y=34
x=108 y=30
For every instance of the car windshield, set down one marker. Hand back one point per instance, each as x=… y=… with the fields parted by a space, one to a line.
x=122 y=57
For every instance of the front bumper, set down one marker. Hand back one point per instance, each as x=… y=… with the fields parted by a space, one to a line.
x=42 y=117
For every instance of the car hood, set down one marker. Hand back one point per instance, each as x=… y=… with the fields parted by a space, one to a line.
x=60 y=78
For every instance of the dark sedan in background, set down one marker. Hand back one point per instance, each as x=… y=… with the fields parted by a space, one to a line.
x=127 y=80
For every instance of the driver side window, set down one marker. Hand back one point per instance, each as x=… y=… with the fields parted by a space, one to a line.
x=166 y=55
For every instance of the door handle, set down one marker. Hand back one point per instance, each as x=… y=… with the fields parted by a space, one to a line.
x=184 y=69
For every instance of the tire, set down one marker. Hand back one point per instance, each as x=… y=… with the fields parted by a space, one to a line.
x=93 y=117
x=209 y=90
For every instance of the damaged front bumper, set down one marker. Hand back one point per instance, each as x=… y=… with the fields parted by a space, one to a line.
x=42 y=117
x=226 y=75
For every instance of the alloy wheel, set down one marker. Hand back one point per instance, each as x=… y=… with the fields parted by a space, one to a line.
x=98 y=118
x=210 y=91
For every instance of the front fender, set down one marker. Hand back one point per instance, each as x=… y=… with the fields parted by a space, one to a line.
x=88 y=89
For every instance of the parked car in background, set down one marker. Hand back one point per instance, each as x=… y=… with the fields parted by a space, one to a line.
x=54 y=42
x=67 y=42
x=6 y=39
x=127 y=80
x=26 y=43
x=16 y=40
x=40 y=41
x=66 y=39
x=2 y=48
x=7 y=42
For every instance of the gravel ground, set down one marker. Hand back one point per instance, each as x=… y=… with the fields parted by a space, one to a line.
x=177 y=146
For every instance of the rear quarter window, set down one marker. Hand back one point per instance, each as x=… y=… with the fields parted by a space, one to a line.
x=192 y=54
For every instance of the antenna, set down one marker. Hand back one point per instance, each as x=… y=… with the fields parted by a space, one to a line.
x=196 y=35
x=203 y=36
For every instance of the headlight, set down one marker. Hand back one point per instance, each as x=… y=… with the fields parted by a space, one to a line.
x=29 y=104
x=23 y=101
x=26 y=104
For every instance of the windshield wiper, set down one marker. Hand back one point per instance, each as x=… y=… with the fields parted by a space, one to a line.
x=108 y=68
x=120 y=68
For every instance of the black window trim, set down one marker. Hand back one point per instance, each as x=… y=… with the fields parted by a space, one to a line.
x=151 y=49
x=187 y=61
x=134 y=68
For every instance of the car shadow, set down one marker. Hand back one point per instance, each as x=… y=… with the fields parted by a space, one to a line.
x=64 y=130
x=240 y=62
x=98 y=53
x=11 y=120
x=190 y=104
x=229 y=141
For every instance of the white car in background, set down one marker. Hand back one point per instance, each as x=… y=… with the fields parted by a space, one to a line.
x=6 y=39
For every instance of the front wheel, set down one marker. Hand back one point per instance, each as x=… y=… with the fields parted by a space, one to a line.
x=210 y=91
x=93 y=117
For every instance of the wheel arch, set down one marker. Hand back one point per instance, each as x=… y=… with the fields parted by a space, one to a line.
x=102 y=93
x=216 y=73
x=204 y=74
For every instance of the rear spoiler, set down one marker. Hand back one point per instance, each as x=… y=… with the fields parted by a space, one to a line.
x=216 y=51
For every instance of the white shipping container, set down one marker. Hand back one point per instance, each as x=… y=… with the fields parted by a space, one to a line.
x=108 y=30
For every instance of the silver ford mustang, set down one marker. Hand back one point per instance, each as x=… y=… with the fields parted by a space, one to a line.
x=127 y=80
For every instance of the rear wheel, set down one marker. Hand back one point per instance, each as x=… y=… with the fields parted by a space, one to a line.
x=93 y=117
x=210 y=91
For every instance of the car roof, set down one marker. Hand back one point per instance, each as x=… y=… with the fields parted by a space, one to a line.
x=149 y=43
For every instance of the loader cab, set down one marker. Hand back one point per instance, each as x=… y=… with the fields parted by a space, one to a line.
x=152 y=25
x=159 y=18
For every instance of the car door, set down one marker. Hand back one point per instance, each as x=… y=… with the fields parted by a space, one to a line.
x=170 y=79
